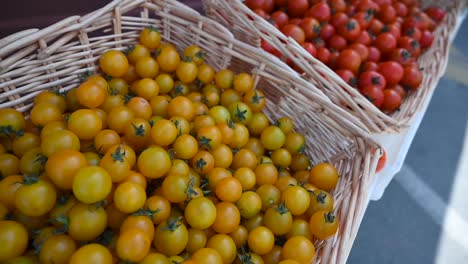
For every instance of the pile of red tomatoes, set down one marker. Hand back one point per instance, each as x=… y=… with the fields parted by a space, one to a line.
x=373 y=45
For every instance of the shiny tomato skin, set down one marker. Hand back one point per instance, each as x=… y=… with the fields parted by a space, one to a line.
x=309 y=47
x=337 y=42
x=320 y=11
x=347 y=76
x=392 y=71
x=350 y=30
x=297 y=8
x=349 y=59
x=412 y=78
x=392 y=100
x=427 y=38
x=294 y=32
x=372 y=78
x=327 y=31
x=385 y=42
x=374 y=54
x=374 y=94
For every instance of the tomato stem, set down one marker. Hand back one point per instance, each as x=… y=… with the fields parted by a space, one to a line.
x=172 y=224
x=205 y=142
x=139 y=130
x=329 y=217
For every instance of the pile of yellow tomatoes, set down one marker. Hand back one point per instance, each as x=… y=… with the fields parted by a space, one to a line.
x=159 y=159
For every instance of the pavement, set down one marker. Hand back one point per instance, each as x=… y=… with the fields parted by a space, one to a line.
x=422 y=216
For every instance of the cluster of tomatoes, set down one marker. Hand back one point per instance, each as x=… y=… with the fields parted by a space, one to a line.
x=163 y=161
x=372 y=45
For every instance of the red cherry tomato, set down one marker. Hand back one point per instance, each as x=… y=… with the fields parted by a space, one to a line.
x=319 y=43
x=350 y=30
x=374 y=94
x=385 y=42
x=327 y=31
x=426 y=39
x=365 y=5
x=399 y=89
x=372 y=78
x=262 y=13
x=394 y=29
x=309 y=47
x=281 y=18
x=269 y=6
x=349 y=59
x=361 y=49
x=369 y=66
x=281 y=3
x=337 y=42
x=324 y=55
x=401 y=56
x=311 y=27
x=387 y=13
x=435 y=13
x=347 y=76
x=400 y=8
x=364 y=38
x=374 y=54
x=412 y=78
x=297 y=8
x=414 y=33
x=392 y=72
x=294 y=32
x=333 y=59
x=338 y=6
x=364 y=18
x=270 y=49
x=375 y=26
x=410 y=45
x=392 y=100
x=321 y=11
x=338 y=19
x=255 y=4
x=382 y=162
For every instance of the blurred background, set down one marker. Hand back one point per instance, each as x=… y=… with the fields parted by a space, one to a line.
x=422 y=216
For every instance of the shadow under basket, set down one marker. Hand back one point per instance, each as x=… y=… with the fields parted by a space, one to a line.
x=56 y=57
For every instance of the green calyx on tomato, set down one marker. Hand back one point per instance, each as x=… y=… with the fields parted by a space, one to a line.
x=320 y=197
x=200 y=164
x=29 y=179
x=240 y=114
x=256 y=98
x=41 y=159
x=106 y=238
x=146 y=212
x=205 y=142
x=151 y=28
x=139 y=130
x=191 y=192
x=282 y=209
x=9 y=131
x=329 y=217
x=244 y=256
x=118 y=155
x=63 y=199
x=172 y=224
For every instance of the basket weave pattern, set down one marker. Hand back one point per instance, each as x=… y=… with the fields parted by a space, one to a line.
x=251 y=28
x=56 y=57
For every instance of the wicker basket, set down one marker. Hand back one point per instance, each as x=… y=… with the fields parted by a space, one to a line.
x=251 y=28
x=55 y=58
